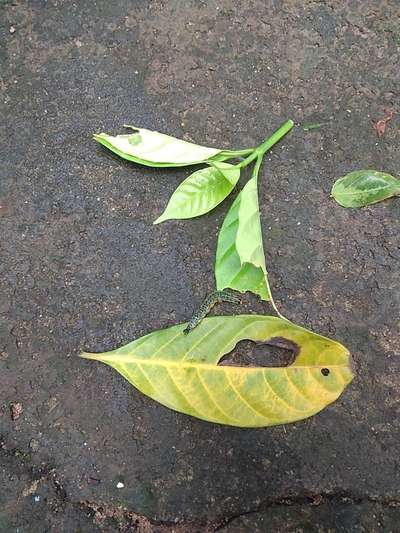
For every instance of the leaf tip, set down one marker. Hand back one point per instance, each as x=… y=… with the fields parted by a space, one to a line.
x=159 y=220
x=88 y=355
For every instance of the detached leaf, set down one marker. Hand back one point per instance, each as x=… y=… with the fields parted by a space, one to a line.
x=364 y=187
x=156 y=149
x=184 y=372
x=240 y=263
x=201 y=192
x=313 y=126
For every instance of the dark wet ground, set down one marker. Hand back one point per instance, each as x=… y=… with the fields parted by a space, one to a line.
x=83 y=267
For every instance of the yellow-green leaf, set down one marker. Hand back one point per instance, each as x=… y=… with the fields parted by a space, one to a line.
x=184 y=372
x=155 y=149
x=365 y=187
x=201 y=191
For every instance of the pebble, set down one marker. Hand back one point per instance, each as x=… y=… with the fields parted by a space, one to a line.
x=33 y=445
x=16 y=410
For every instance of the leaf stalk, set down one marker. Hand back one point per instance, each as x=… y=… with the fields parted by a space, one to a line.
x=267 y=144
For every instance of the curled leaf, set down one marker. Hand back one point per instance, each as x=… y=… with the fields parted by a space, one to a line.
x=184 y=372
x=249 y=237
x=155 y=149
x=240 y=263
x=364 y=187
x=201 y=191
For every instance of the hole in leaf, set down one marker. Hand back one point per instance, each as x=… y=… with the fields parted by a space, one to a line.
x=274 y=353
x=325 y=371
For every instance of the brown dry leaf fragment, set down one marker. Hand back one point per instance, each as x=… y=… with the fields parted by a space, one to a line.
x=380 y=125
x=16 y=410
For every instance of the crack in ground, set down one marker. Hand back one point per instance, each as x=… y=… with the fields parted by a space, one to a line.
x=310 y=500
x=128 y=521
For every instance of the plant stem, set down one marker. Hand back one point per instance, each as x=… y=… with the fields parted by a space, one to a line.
x=237 y=153
x=257 y=167
x=275 y=137
x=268 y=143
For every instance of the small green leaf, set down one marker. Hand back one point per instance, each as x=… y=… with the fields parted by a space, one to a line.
x=201 y=191
x=364 y=187
x=155 y=149
x=240 y=263
x=184 y=372
x=313 y=126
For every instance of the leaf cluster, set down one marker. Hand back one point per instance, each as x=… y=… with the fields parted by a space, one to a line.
x=240 y=261
x=186 y=372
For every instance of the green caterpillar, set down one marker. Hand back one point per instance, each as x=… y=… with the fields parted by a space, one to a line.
x=206 y=306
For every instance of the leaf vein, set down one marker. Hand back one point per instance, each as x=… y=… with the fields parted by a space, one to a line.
x=243 y=400
x=182 y=393
x=208 y=392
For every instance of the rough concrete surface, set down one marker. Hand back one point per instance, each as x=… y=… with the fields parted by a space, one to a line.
x=82 y=267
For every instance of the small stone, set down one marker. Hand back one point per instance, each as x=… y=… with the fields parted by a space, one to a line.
x=36 y=499
x=120 y=485
x=12 y=29
x=34 y=445
x=16 y=410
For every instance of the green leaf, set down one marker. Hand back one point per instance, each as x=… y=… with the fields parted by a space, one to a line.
x=155 y=149
x=184 y=372
x=313 y=126
x=364 y=187
x=240 y=263
x=201 y=191
x=249 y=242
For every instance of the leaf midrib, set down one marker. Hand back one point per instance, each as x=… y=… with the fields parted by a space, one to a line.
x=167 y=363
x=345 y=193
